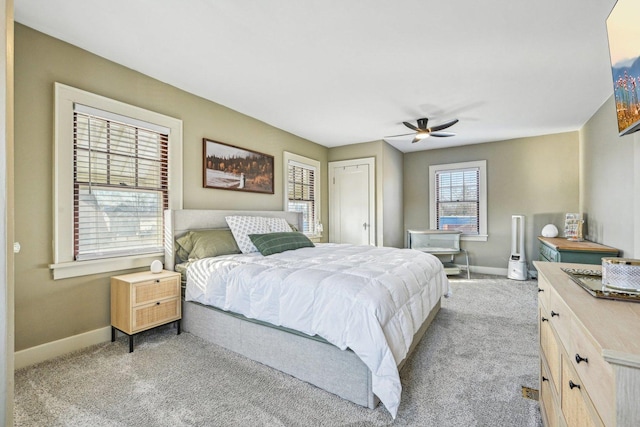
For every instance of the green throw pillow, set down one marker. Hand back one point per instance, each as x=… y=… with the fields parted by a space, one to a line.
x=183 y=246
x=210 y=243
x=274 y=243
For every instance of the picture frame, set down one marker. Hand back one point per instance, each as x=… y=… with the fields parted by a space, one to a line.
x=623 y=36
x=227 y=167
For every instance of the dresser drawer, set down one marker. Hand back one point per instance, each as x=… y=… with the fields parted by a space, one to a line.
x=548 y=398
x=154 y=290
x=544 y=290
x=560 y=316
x=576 y=404
x=550 y=349
x=596 y=374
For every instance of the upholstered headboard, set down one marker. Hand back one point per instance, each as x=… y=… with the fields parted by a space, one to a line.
x=178 y=222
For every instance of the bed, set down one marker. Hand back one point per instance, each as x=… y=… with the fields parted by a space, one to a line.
x=324 y=360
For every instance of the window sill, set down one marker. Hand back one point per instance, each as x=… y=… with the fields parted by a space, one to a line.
x=66 y=270
x=475 y=238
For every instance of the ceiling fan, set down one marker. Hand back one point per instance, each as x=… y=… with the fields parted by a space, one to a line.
x=422 y=131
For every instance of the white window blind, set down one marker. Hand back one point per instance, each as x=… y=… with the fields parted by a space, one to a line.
x=120 y=183
x=458 y=200
x=301 y=189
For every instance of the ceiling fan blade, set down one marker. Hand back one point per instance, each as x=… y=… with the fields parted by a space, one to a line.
x=442 y=134
x=402 y=134
x=410 y=126
x=444 y=125
x=416 y=140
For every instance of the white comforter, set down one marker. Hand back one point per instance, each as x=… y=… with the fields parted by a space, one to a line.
x=369 y=299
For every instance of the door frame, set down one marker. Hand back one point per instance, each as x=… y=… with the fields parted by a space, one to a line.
x=371 y=162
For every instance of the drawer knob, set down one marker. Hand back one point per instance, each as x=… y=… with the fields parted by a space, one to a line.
x=540 y=290
x=544 y=319
x=581 y=359
x=553 y=314
x=545 y=379
x=158 y=303
x=573 y=385
x=157 y=280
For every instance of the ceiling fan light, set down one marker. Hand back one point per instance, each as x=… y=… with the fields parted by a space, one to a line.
x=422 y=135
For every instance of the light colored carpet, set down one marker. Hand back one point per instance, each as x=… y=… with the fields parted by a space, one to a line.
x=468 y=371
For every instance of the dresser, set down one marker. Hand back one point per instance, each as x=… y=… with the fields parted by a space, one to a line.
x=145 y=300
x=589 y=354
x=559 y=249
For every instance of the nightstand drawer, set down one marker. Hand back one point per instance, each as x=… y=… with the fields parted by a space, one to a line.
x=154 y=290
x=549 y=254
x=159 y=313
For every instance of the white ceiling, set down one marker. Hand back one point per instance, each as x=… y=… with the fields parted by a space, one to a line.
x=339 y=72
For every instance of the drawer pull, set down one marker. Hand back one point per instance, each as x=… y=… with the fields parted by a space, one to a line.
x=540 y=290
x=544 y=319
x=158 y=303
x=553 y=314
x=581 y=359
x=573 y=385
x=157 y=280
x=545 y=379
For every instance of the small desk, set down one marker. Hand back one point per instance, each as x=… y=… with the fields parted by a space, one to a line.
x=559 y=249
x=439 y=242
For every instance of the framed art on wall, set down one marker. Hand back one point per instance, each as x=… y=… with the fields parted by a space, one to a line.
x=229 y=167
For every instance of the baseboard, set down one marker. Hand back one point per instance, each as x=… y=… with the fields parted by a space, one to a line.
x=40 y=353
x=489 y=270
x=533 y=274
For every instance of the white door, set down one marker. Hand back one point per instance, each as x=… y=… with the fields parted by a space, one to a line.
x=352 y=202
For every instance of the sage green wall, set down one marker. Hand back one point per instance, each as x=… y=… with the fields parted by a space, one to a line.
x=393 y=206
x=389 y=204
x=47 y=310
x=610 y=166
x=536 y=177
x=7 y=214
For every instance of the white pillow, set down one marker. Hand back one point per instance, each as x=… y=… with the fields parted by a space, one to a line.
x=278 y=225
x=242 y=226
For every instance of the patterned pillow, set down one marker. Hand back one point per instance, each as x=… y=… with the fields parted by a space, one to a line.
x=274 y=243
x=242 y=226
x=278 y=225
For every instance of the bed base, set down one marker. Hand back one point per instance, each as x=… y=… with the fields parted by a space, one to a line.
x=316 y=362
x=319 y=363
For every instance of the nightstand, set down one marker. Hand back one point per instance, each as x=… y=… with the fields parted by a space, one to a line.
x=145 y=300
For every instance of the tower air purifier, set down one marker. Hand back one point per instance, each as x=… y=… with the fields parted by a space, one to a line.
x=517 y=260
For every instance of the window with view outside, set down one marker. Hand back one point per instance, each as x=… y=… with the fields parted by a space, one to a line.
x=120 y=187
x=457 y=200
x=301 y=194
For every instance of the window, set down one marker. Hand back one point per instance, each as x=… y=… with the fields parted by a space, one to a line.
x=458 y=198
x=118 y=167
x=302 y=191
x=120 y=185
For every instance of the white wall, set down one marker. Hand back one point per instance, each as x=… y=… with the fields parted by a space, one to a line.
x=610 y=182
